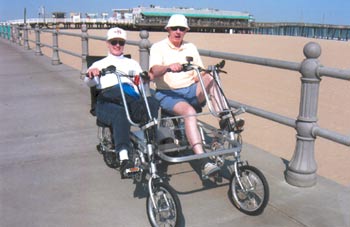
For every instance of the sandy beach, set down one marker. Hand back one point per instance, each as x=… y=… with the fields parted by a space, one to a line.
x=274 y=90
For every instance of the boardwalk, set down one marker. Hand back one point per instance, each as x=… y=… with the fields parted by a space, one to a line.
x=51 y=174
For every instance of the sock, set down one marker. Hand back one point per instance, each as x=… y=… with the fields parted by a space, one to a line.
x=123 y=155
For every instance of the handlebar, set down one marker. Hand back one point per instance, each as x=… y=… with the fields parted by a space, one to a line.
x=189 y=66
x=218 y=67
x=138 y=80
x=213 y=71
x=112 y=69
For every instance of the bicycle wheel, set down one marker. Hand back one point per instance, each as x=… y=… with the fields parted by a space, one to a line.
x=110 y=159
x=168 y=210
x=106 y=144
x=253 y=199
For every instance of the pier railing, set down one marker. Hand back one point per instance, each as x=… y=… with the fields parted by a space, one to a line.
x=302 y=168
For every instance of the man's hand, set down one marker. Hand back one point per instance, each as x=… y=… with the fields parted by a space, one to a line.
x=176 y=67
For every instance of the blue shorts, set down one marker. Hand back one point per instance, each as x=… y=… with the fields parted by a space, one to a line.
x=169 y=98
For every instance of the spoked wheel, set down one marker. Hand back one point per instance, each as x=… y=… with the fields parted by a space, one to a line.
x=110 y=159
x=168 y=209
x=253 y=199
x=106 y=144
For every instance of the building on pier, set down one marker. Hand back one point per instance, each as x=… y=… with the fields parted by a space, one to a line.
x=200 y=20
x=154 y=18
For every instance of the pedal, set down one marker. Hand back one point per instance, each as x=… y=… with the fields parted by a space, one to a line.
x=133 y=172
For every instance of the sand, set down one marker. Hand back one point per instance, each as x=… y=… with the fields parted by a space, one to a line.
x=274 y=90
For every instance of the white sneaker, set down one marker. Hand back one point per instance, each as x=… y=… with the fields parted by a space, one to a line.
x=210 y=168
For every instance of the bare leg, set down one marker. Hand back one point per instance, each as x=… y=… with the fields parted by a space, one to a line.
x=192 y=132
x=193 y=136
x=213 y=90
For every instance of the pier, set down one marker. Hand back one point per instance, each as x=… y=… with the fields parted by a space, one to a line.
x=52 y=175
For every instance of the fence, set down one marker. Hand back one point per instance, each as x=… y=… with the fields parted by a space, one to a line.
x=320 y=31
x=302 y=168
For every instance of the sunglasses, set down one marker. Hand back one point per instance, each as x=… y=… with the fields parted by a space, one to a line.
x=115 y=42
x=180 y=28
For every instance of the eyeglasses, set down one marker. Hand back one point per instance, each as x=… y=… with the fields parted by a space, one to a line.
x=115 y=42
x=180 y=28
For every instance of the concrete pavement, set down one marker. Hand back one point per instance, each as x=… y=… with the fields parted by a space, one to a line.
x=51 y=174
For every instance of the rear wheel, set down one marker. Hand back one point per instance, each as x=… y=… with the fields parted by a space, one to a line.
x=110 y=159
x=253 y=197
x=107 y=145
x=168 y=209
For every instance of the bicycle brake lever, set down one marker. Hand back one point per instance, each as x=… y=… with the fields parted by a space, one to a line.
x=222 y=71
x=109 y=69
x=144 y=75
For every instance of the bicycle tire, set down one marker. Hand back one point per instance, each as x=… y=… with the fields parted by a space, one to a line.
x=254 y=200
x=170 y=215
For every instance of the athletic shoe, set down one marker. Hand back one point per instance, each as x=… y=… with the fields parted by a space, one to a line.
x=210 y=169
x=124 y=167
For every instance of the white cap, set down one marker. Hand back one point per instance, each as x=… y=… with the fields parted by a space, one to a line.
x=116 y=33
x=177 y=20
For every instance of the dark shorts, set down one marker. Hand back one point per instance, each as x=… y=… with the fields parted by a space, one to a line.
x=169 y=98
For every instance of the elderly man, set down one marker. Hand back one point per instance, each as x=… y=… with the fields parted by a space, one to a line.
x=179 y=92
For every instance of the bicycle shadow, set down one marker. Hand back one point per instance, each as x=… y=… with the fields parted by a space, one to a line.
x=220 y=180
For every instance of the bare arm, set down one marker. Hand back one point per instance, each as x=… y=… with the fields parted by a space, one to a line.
x=160 y=70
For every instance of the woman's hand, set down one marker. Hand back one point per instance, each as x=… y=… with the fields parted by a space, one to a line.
x=93 y=72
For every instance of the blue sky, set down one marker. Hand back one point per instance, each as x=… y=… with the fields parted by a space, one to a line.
x=308 y=11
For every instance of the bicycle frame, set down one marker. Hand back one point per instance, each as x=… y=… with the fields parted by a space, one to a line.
x=236 y=148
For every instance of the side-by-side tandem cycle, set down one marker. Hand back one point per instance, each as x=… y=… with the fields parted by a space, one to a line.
x=163 y=140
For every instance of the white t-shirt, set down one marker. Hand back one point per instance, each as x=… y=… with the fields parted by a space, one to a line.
x=121 y=63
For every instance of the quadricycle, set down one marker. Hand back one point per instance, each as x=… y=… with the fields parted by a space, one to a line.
x=163 y=140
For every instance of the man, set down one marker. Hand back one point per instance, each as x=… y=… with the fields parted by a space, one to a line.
x=109 y=108
x=179 y=92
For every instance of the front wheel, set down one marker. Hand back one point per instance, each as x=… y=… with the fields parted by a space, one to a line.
x=253 y=197
x=168 y=209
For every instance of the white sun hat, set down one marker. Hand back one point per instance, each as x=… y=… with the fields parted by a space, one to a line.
x=177 y=20
x=116 y=33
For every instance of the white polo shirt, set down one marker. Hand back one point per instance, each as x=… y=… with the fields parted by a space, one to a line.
x=165 y=53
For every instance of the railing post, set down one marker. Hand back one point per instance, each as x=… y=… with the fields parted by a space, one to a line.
x=144 y=50
x=55 y=57
x=144 y=46
x=1 y=30
x=6 y=31
x=302 y=168
x=84 y=49
x=13 y=33
x=25 y=37
x=9 y=30
x=37 y=41
x=18 y=36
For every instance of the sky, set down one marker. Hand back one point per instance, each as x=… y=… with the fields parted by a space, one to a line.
x=304 y=11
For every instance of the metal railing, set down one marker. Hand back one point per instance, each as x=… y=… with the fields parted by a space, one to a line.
x=302 y=168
